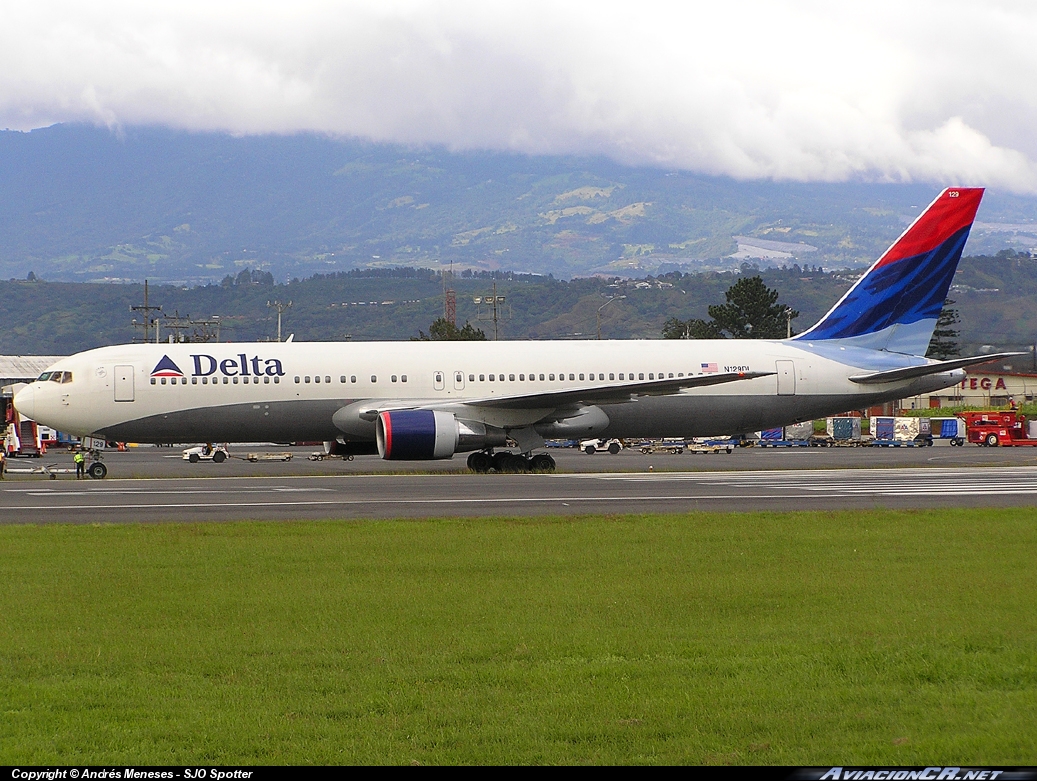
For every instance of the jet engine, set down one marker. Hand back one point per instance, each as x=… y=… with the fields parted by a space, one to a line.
x=421 y=435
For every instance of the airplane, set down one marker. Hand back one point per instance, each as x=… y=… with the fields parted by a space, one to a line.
x=432 y=400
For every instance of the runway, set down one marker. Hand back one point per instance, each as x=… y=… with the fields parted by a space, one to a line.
x=430 y=495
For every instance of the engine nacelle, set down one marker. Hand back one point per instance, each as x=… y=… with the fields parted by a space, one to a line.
x=422 y=435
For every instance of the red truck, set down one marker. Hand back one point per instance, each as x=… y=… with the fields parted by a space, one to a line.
x=993 y=429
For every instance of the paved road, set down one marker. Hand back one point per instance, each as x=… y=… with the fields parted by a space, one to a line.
x=431 y=495
x=166 y=462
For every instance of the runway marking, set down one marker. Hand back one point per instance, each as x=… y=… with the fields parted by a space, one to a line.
x=189 y=492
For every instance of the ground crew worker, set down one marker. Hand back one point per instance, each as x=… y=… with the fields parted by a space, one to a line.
x=80 y=460
x=3 y=461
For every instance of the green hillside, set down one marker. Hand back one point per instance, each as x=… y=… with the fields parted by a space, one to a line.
x=996 y=298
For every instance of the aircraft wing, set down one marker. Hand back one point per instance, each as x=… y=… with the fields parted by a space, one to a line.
x=606 y=394
x=910 y=372
x=551 y=399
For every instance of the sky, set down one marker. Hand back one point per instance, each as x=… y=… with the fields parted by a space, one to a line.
x=921 y=91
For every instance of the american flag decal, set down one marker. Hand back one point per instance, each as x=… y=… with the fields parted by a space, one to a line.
x=709 y=367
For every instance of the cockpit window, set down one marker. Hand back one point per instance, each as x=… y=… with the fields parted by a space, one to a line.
x=61 y=377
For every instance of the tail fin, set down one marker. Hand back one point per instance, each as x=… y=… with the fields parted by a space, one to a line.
x=897 y=302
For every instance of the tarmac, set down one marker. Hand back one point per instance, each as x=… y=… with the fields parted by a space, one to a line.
x=155 y=484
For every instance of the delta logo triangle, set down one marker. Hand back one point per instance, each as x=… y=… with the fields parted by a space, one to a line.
x=166 y=368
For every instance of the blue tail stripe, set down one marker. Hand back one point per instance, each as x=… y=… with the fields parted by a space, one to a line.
x=903 y=292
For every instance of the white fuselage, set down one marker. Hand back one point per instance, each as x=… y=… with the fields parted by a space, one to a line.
x=292 y=391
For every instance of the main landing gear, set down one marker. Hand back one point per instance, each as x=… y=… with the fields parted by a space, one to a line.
x=512 y=463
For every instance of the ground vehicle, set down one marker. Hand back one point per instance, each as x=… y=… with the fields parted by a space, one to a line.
x=592 y=446
x=701 y=445
x=217 y=454
x=674 y=445
x=998 y=429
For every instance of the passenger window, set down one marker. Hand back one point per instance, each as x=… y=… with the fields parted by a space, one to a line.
x=374 y=378
x=641 y=376
x=542 y=378
x=482 y=378
x=297 y=379
x=403 y=378
x=522 y=378
x=352 y=378
x=205 y=380
x=471 y=378
x=317 y=379
x=183 y=381
x=277 y=380
x=163 y=380
x=511 y=378
x=153 y=381
x=680 y=374
x=235 y=380
x=194 y=380
x=393 y=378
x=581 y=376
x=306 y=379
x=342 y=378
x=671 y=374
x=226 y=380
x=551 y=377
x=651 y=376
x=491 y=378
x=572 y=376
x=266 y=380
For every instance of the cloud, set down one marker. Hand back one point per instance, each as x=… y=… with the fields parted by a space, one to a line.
x=924 y=91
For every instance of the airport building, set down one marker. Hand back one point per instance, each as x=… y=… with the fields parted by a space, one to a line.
x=24 y=368
x=986 y=385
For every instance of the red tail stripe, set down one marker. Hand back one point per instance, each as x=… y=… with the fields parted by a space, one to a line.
x=945 y=216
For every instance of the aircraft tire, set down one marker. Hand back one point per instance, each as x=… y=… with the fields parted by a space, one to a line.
x=97 y=470
x=480 y=462
x=542 y=463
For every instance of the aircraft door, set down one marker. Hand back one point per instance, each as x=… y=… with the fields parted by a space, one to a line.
x=458 y=380
x=786 y=377
x=438 y=381
x=124 y=383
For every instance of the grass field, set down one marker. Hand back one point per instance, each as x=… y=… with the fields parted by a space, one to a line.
x=805 y=638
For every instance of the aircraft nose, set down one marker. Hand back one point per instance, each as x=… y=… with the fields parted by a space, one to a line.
x=25 y=402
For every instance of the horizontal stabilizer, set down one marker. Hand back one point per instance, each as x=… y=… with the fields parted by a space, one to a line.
x=910 y=372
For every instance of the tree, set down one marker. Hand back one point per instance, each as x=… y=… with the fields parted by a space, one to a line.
x=944 y=343
x=752 y=311
x=442 y=330
x=675 y=328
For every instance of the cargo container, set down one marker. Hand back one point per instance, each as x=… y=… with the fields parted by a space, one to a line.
x=953 y=429
x=800 y=431
x=901 y=432
x=844 y=429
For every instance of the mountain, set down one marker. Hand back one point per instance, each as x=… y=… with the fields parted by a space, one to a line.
x=80 y=203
